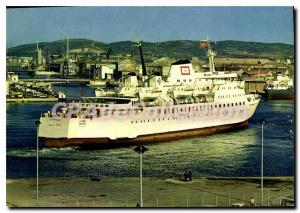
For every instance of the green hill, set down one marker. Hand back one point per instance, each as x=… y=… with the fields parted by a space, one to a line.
x=175 y=49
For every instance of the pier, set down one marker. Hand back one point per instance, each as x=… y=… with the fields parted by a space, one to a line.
x=160 y=192
x=58 y=80
x=21 y=100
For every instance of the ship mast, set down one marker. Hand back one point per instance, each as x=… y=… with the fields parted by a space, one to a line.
x=210 y=54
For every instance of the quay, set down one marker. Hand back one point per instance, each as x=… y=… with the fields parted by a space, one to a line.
x=58 y=80
x=158 y=192
x=21 y=100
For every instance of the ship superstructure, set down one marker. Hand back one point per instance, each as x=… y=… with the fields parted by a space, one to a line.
x=185 y=105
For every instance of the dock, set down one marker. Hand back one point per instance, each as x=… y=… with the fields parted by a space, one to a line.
x=158 y=192
x=22 y=100
x=58 y=80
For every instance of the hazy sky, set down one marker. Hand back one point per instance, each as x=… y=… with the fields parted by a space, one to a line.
x=109 y=24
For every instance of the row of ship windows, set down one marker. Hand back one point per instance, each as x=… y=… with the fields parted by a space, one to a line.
x=162 y=119
x=196 y=108
x=173 y=118
x=200 y=107
x=185 y=109
x=190 y=108
x=229 y=96
x=190 y=80
x=184 y=80
x=224 y=88
x=182 y=89
x=168 y=111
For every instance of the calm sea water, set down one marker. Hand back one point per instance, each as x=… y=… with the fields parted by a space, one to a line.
x=230 y=154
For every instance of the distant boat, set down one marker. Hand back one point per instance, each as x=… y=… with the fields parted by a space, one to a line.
x=97 y=83
x=281 y=89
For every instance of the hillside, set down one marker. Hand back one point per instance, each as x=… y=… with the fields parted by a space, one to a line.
x=175 y=49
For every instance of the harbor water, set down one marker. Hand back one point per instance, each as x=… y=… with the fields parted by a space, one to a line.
x=235 y=153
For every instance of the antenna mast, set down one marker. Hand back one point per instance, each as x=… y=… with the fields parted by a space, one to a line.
x=210 y=54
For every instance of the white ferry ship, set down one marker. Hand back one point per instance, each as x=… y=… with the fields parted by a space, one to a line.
x=187 y=104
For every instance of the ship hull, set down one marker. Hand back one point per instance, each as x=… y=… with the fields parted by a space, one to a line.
x=143 y=139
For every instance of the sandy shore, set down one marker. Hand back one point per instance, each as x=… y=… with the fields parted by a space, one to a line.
x=157 y=192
